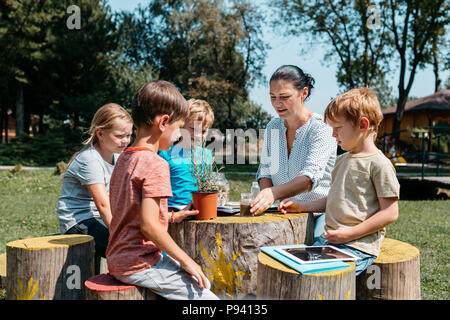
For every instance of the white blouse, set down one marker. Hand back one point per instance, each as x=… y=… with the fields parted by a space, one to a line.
x=313 y=154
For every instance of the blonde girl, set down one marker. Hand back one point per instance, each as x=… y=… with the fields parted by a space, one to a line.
x=83 y=204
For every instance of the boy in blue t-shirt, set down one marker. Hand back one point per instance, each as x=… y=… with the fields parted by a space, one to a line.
x=179 y=158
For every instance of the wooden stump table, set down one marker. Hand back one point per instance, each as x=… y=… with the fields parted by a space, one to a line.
x=106 y=287
x=227 y=247
x=276 y=281
x=53 y=267
x=394 y=275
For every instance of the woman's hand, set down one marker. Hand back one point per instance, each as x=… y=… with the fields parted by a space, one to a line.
x=186 y=212
x=339 y=236
x=263 y=201
x=291 y=205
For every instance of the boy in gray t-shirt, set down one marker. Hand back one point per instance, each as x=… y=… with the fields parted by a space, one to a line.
x=364 y=192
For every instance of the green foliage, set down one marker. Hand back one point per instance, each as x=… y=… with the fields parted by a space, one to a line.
x=211 y=50
x=42 y=150
x=441 y=137
x=406 y=36
x=203 y=169
x=340 y=26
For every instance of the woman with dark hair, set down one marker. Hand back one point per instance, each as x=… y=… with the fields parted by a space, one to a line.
x=299 y=150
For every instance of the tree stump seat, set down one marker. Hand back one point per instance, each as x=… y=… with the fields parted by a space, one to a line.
x=2 y=270
x=51 y=267
x=105 y=287
x=276 y=281
x=394 y=275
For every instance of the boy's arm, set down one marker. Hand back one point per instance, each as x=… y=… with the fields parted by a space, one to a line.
x=290 y=205
x=152 y=229
x=387 y=214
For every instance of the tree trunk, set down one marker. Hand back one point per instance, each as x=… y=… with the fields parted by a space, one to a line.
x=53 y=267
x=19 y=111
x=395 y=274
x=399 y=115
x=1 y=122
x=6 y=126
x=279 y=282
x=41 y=120
x=227 y=247
x=26 y=119
x=106 y=287
x=437 y=80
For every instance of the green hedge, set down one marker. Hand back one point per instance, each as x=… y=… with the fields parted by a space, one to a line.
x=41 y=150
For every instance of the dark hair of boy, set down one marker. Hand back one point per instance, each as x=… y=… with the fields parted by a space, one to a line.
x=156 y=98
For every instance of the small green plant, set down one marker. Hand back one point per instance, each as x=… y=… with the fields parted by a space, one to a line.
x=203 y=169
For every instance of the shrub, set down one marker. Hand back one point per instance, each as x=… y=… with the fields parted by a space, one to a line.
x=41 y=150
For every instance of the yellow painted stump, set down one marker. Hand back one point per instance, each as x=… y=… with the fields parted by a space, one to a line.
x=2 y=270
x=276 y=281
x=227 y=247
x=45 y=268
x=394 y=275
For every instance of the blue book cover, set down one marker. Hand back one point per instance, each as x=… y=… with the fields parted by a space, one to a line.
x=303 y=268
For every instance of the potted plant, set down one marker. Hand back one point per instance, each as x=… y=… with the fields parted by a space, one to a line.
x=204 y=174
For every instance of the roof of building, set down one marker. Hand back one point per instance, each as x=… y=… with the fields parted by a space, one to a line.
x=437 y=101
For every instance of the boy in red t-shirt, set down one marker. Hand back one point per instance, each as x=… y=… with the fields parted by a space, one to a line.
x=139 y=188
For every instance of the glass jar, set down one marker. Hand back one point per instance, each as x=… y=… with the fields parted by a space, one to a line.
x=224 y=188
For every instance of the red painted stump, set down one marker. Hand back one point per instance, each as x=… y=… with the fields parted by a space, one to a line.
x=106 y=287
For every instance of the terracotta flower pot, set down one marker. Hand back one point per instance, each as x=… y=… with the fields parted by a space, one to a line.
x=206 y=204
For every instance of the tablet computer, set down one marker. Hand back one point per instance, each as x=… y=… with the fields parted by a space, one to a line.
x=316 y=254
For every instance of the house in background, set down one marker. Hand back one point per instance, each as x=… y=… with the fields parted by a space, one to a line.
x=422 y=112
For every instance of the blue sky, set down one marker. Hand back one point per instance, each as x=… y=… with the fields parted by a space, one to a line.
x=285 y=50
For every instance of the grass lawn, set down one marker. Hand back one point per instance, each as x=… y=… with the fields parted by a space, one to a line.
x=28 y=208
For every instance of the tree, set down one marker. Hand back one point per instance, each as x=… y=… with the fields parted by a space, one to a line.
x=414 y=26
x=353 y=39
x=207 y=48
x=79 y=69
x=24 y=41
x=405 y=34
x=436 y=60
x=52 y=69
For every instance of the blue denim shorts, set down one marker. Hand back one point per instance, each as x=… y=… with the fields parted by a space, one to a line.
x=361 y=264
x=167 y=279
